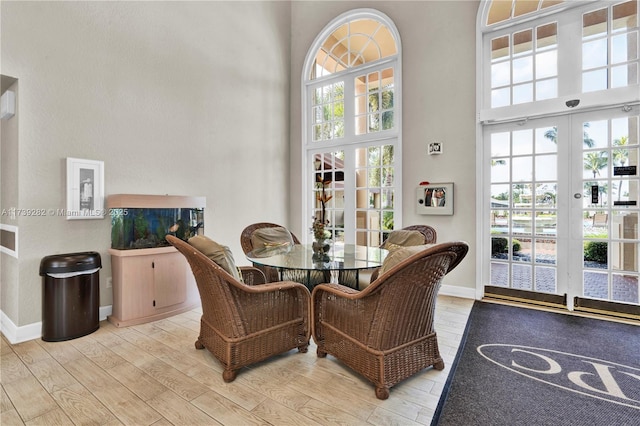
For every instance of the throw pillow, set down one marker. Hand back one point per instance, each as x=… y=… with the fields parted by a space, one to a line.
x=271 y=237
x=404 y=238
x=220 y=254
x=395 y=257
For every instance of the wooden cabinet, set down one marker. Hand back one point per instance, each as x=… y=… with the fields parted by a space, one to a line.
x=169 y=273
x=150 y=283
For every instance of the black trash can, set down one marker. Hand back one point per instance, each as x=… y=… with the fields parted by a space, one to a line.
x=70 y=295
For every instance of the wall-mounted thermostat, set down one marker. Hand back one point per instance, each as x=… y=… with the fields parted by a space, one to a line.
x=435 y=148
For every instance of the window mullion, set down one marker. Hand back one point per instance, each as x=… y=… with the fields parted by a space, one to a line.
x=569 y=54
x=349 y=107
x=349 y=188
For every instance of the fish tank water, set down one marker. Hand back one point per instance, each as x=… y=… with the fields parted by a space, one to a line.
x=136 y=228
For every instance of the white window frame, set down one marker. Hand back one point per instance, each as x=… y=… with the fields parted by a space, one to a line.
x=350 y=141
x=569 y=17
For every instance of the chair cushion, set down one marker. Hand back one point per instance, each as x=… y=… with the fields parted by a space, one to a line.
x=403 y=238
x=220 y=254
x=399 y=255
x=271 y=237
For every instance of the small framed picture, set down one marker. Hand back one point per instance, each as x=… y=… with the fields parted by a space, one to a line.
x=85 y=189
x=435 y=198
x=435 y=148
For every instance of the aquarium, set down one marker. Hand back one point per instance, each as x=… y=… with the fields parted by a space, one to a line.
x=136 y=228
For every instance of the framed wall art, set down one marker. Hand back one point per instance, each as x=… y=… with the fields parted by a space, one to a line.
x=85 y=189
x=435 y=198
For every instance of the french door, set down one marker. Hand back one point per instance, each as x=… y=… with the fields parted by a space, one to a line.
x=528 y=212
x=563 y=210
x=605 y=207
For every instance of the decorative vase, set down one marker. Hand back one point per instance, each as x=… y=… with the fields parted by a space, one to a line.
x=321 y=246
x=321 y=241
x=321 y=249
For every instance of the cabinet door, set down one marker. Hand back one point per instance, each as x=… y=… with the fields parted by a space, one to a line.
x=169 y=272
x=132 y=287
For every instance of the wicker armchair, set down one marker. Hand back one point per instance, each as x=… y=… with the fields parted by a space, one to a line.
x=247 y=246
x=430 y=237
x=430 y=234
x=242 y=324
x=385 y=332
x=272 y=273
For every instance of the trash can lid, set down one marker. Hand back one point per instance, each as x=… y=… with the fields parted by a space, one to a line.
x=70 y=262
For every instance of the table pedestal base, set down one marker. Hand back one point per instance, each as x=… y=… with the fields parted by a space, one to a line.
x=312 y=278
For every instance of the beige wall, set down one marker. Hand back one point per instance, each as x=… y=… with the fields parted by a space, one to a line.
x=203 y=98
x=182 y=98
x=438 y=63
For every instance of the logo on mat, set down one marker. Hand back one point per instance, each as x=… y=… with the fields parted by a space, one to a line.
x=592 y=377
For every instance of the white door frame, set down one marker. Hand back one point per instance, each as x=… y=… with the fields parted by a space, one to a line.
x=569 y=207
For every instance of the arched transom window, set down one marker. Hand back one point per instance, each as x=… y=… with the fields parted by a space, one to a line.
x=353 y=44
x=501 y=11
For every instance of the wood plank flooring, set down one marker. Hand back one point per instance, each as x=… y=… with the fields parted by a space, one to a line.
x=151 y=374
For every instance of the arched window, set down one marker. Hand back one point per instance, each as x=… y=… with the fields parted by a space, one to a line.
x=351 y=132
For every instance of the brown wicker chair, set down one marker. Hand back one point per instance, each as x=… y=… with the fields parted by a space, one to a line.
x=245 y=241
x=430 y=234
x=385 y=332
x=430 y=237
x=242 y=324
x=272 y=273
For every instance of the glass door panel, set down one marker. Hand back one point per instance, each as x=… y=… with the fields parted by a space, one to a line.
x=610 y=182
x=566 y=235
x=328 y=192
x=523 y=206
x=375 y=190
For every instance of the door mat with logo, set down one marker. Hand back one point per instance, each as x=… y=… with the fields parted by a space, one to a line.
x=519 y=366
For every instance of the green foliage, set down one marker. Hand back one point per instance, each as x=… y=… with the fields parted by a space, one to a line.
x=387 y=220
x=596 y=161
x=596 y=251
x=601 y=235
x=500 y=245
x=164 y=224
x=116 y=232
x=121 y=231
x=141 y=226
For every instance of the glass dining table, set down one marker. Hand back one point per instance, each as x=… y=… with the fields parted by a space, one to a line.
x=342 y=264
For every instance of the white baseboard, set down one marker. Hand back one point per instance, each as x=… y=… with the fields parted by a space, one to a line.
x=15 y=334
x=104 y=312
x=457 y=291
x=27 y=332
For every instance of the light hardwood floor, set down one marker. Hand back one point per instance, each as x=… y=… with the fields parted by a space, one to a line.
x=151 y=374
